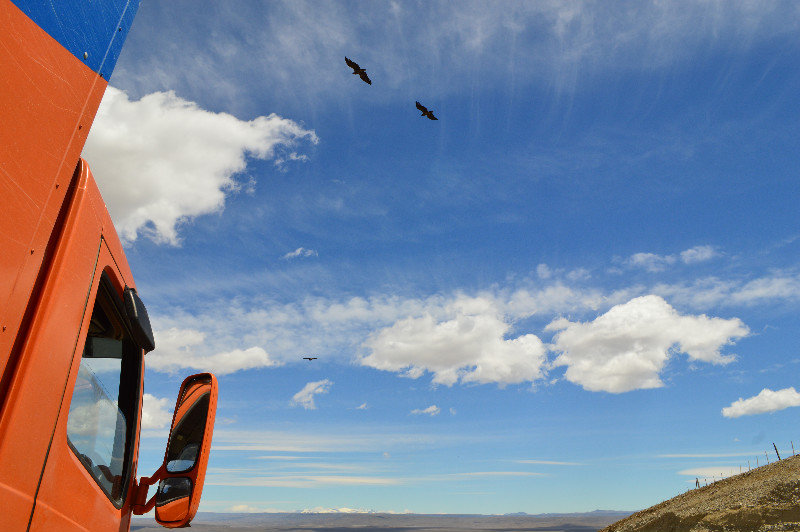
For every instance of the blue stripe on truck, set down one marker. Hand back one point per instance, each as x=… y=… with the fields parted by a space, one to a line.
x=92 y=30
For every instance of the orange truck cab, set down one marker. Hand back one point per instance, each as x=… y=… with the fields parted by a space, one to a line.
x=73 y=329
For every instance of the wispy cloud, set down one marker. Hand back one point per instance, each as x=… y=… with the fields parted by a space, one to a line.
x=298 y=481
x=698 y=254
x=432 y=410
x=708 y=455
x=476 y=338
x=247 y=477
x=305 y=397
x=653 y=262
x=300 y=252
x=571 y=41
x=498 y=474
x=711 y=472
x=766 y=401
x=250 y=509
x=356 y=439
x=548 y=462
x=712 y=291
x=650 y=261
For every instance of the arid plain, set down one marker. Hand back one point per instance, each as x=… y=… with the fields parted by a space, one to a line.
x=298 y=522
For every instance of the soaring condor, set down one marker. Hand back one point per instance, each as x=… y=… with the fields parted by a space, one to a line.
x=358 y=70
x=425 y=111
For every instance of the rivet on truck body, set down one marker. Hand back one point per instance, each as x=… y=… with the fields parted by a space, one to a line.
x=85 y=55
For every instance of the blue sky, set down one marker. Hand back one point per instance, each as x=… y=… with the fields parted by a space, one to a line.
x=541 y=302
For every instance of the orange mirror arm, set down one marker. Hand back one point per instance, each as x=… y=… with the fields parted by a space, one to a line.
x=140 y=503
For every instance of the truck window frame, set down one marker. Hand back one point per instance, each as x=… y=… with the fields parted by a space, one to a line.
x=129 y=388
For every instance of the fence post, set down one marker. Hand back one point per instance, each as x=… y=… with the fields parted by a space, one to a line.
x=792 y=447
x=766 y=456
x=776 y=450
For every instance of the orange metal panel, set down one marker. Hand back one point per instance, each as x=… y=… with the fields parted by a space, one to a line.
x=48 y=100
x=65 y=479
x=35 y=394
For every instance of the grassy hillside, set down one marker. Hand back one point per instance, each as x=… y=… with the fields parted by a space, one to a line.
x=764 y=499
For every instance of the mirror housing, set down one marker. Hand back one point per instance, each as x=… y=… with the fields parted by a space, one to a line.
x=183 y=471
x=138 y=320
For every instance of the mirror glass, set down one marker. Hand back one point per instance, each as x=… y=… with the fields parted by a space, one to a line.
x=189 y=426
x=173 y=498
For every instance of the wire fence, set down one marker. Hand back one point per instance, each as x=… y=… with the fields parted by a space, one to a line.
x=702 y=481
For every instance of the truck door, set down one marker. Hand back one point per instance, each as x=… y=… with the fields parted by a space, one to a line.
x=91 y=464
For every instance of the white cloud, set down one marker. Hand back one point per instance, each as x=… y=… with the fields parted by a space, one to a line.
x=712 y=472
x=543 y=271
x=367 y=326
x=774 y=287
x=708 y=455
x=766 y=401
x=656 y=263
x=710 y=291
x=300 y=252
x=297 y=481
x=627 y=347
x=163 y=160
x=698 y=254
x=305 y=397
x=185 y=348
x=650 y=261
x=498 y=474
x=370 y=440
x=432 y=410
x=249 y=509
x=468 y=345
x=156 y=412
x=548 y=462
x=579 y=274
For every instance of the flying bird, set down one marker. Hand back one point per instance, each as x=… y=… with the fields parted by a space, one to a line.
x=309 y=358
x=358 y=70
x=425 y=111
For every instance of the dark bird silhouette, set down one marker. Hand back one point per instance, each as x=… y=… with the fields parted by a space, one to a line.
x=309 y=358
x=425 y=111
x=358 y=70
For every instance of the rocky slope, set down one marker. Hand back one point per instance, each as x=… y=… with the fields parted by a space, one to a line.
x=764 y=499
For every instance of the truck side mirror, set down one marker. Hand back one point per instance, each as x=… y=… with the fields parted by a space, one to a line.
x=182 y=474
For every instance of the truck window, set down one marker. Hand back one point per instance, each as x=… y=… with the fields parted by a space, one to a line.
x=103 y=409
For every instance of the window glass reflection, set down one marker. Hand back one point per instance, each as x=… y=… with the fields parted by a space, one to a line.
x=96 y=427
x=103 y=408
